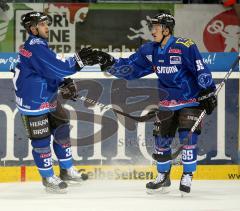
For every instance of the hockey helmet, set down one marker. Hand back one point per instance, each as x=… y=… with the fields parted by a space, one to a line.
x=33 y=18
x=165 y=19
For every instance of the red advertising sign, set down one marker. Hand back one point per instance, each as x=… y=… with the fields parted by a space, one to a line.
x=221 y=34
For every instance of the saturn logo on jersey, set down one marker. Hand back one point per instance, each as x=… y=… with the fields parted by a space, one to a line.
x=166 y=70
x=175 y=60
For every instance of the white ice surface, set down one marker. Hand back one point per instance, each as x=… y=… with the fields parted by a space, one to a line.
x=96 y=195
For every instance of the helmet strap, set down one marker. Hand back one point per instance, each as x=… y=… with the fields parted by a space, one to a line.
x=164 y=36
x=160 y=43
x=37 y=31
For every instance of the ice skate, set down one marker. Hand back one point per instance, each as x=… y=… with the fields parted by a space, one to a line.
x=185 y=184
x=161 y=184
x=54 y=185
x=72 y=175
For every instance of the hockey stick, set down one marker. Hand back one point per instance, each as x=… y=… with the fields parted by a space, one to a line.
x=153 y=112
x=200 y=118
x=144 y=118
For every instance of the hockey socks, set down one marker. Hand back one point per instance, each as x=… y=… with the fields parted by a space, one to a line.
x=42 y=156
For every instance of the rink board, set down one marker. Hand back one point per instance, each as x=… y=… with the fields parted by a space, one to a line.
x=109 y=157
x=102 y=138
x=204 y=172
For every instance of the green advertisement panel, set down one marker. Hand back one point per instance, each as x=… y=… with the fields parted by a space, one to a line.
x=114 y=27
x=121 y=27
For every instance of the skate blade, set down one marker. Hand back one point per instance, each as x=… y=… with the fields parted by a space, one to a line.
x=74 y=182
x=56 y=191
x=162 y=190
x=184 y=194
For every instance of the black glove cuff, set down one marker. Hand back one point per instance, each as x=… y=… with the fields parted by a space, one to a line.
x=78 y=60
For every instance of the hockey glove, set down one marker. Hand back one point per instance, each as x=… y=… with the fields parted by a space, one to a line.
x=86 y=56
x=207 y=100
x=105 y=60
x=68 y=89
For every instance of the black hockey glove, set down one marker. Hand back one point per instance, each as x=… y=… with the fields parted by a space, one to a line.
x=207 y=100
x=105 y=60
x=68 y=89
x=86 y=56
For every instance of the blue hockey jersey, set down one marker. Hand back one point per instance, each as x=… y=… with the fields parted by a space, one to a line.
x=38 y=75
x=179 y=67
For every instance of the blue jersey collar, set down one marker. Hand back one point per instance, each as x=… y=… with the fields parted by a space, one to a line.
x=169 y=42
x=34 y=36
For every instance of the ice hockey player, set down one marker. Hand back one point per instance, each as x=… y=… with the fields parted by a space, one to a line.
x=183 y=75
x=38 y=75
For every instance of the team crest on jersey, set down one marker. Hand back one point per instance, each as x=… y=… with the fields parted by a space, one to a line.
x=175 y=60
x=149 y=57
x=204 y=80
x=175 y=50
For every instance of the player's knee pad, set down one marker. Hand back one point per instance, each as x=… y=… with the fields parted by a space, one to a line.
x=37 y=127
x=162 y=149
x=192 y=140
x=164 y=131
x=62 y=134
x=42 y=150
x=41 y=147
x=41 y=143
x=188 y=117
x=162 y=143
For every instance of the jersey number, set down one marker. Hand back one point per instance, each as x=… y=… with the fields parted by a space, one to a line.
x=199 y=65
x=17 y=71
x=47 y=162
x=187 y=154
x=68 y=152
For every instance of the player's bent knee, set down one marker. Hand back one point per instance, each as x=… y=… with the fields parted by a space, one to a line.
x=162 y=149
x=41 y=143
x=183 y=135
x=162 y=142
x=41 y=150
x=62 y=134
